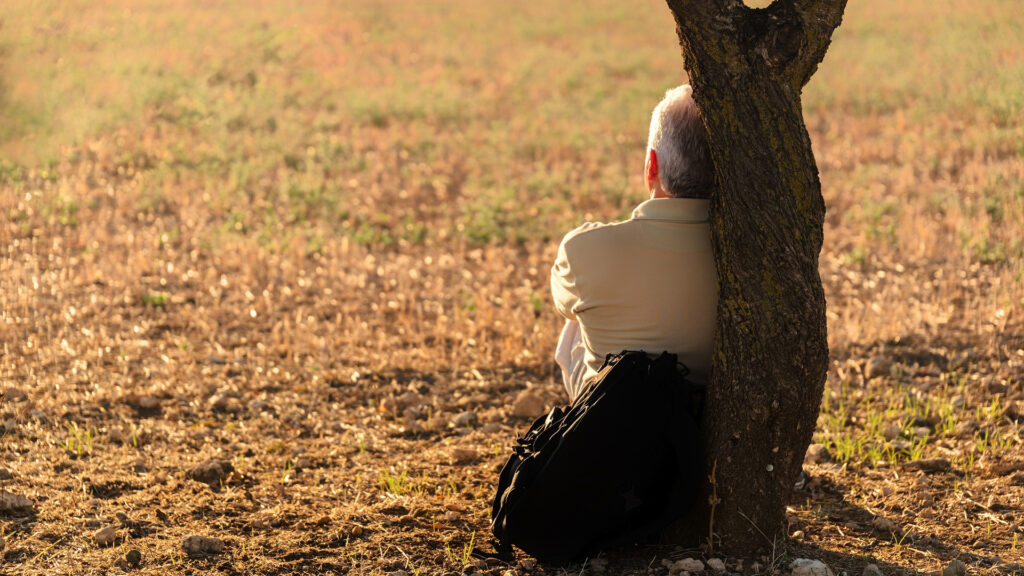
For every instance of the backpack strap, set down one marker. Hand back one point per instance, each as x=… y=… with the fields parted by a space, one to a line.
x=502 y=551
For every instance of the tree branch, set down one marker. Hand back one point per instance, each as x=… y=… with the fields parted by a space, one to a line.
x=819 y=19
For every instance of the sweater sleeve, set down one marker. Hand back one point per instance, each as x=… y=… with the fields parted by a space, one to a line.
x=564 y=289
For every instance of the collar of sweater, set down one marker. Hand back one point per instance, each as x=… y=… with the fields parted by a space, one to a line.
x=673 y=210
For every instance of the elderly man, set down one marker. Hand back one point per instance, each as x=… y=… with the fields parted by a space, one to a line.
x=648 y=283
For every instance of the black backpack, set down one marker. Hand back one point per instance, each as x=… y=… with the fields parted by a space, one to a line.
x=614 y=467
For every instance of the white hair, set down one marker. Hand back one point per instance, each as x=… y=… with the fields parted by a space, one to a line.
x=677 y=136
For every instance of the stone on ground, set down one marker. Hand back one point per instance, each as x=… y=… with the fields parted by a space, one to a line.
x=13 y=502
x=195 y=545
x=211 y=471
x=808 y=567
x=816 y=454
x=872 y=570
x=527 y=404
x=955 y=568
x=105 y=536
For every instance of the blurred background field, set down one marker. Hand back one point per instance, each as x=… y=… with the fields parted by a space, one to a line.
x=250 y=230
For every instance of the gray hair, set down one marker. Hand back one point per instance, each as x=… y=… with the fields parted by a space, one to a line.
x=677 y=136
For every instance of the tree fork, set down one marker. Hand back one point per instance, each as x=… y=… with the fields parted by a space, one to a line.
x=747 y=67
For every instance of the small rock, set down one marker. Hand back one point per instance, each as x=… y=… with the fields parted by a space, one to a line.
x=10 y=425
x=922 y=431
x=357 y=531
x=105 y=536
x=222 y=403
x=528 y=405
x=115 y=436
x=139 y=465
x=716 y=564
x=877 y=366
x=928 y=465
x=966 y=428
x=13 y=502
x=491 y=428
x=211 y=471
x=892 y=432
x=872 y=570
x=1014 y=411
x=465 y=419
x=5 y=474
x=527 y=563
x=808 y=567
x=142 y=402
x=1006 y=568
x=883 y=525
x=464 y=455
x=398 y=573
x=451 y=516
x=900 y=444
x=197 y=545
x=133 y=557
x=686 y=565
x=798 y=535
x=14 y=395
x=410 y=400
x=958 y=401
x=955 y=568
x=816 y=454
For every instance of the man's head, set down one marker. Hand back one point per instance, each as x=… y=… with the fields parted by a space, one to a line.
x=678 y=160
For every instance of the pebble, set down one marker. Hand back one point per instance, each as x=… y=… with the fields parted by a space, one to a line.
x=105 y=536
x=115 y=436
x=133 y=557
x=14 y=395
x=958 y=401
x=13 y=502
x=527 y=563
x=883 y=525
x=816 y=454
x=528 y=405
x=464 y=455
x=211 y=471
x=928 y=465
x=357 y=531
x=872 y=570
x=716 y=564
x=5 y=474
x=451 y=516
x=464 y=419
x=955 y=568
x=398 y=573
x=877 y=366
x=892 y=432
x=684 y=565
x=798 y=535
x=808 y=567
x=196 y=545
x=966 y=428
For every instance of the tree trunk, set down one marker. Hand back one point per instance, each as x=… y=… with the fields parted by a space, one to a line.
x=747 y=67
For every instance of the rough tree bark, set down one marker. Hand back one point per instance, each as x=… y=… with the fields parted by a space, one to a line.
x=747 y=67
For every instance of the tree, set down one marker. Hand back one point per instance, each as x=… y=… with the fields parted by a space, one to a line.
x=748 y=67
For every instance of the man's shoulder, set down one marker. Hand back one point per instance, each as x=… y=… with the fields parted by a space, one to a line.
x=592 y=233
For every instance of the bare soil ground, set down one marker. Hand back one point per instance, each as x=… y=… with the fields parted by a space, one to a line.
x=301 y=327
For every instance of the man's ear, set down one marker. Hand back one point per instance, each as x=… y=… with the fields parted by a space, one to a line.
x=652 y=165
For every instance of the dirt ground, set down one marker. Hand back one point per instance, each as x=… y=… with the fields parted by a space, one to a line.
x=294 y=297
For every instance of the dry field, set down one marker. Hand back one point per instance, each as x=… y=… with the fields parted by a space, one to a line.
x=276 y=273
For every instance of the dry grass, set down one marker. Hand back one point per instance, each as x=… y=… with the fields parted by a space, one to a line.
x=303 y=237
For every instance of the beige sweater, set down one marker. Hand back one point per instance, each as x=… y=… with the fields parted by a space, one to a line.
x=648 y=283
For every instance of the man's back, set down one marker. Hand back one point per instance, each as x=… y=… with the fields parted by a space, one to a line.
x=648 y=283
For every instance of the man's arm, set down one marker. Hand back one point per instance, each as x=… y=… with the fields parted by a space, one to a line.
x=564 y=290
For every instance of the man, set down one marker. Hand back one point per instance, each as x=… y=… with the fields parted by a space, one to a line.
x=648 y=283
